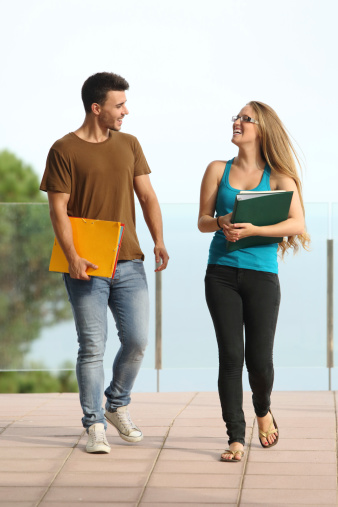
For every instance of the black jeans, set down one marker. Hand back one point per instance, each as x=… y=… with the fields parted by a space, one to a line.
x=237 y=298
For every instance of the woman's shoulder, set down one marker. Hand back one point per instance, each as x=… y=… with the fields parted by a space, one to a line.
x=216 y=163
x=215 y=170
x=217 y=166
x=279 y=181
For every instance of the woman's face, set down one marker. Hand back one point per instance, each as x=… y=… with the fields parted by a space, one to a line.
x=245 y=132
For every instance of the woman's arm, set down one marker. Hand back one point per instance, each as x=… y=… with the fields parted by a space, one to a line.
x=209 y=188
x=292 y=226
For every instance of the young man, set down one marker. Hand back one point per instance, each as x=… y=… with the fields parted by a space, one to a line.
x=93 y=173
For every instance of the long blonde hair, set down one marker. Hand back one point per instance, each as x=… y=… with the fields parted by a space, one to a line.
x=279 y=153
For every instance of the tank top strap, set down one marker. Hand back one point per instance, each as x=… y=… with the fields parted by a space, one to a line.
x=265 y=181
x=263 y=185
x=225 y=177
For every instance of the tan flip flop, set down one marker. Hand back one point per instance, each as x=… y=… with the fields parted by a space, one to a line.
x=272 y=429
x=232 y=460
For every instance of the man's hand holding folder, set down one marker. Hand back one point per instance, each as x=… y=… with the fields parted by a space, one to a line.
x=79 y=268
x=97 y=242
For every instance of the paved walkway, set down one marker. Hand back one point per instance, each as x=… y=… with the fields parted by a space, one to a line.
x=43 y=462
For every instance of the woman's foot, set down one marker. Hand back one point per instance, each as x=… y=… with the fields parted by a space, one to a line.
x=233 y=456
x=265 y=425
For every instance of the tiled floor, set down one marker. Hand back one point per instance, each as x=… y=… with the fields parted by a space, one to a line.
x=43 y=462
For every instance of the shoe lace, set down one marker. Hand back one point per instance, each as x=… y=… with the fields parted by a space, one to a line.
x=98 y=435
x=125 y=419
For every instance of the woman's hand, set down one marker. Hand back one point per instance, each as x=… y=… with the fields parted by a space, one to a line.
x=225 y=220
x=234 y=232
x=228 y=227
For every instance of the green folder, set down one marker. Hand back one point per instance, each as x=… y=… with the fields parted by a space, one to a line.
x=259 y=208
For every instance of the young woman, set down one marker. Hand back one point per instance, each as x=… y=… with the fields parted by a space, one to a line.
x=242 y=287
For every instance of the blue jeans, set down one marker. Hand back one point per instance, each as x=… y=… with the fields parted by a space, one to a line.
x=127 y=297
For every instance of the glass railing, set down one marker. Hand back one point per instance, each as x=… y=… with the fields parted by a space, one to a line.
x=38 y=333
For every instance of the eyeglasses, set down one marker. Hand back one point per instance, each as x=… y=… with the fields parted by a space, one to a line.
x=244 y=118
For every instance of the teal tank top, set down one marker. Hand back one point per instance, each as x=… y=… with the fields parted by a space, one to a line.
x=259 y=258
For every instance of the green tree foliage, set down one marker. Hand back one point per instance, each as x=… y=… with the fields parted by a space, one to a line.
x=18 y=182
x=36 y=381
x=30 y=296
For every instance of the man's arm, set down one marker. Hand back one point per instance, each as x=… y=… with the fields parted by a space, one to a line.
x=152 y=215
x=63 y=231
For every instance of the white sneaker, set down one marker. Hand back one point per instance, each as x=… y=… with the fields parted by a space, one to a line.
x=97 y=441
x=124 y=425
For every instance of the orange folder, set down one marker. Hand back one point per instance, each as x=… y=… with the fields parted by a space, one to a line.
x=98 y=241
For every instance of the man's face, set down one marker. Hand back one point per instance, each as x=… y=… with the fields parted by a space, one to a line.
x=111 y=114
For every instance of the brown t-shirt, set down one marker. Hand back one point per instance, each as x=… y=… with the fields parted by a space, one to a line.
x=99 y=178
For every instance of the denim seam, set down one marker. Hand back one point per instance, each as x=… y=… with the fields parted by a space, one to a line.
x=122 y=340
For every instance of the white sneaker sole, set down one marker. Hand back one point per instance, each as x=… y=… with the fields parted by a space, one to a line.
x=98 y=450
x=127 y=438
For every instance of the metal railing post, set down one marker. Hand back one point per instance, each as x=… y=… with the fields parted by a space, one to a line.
x=158 y=324
x=329 y=300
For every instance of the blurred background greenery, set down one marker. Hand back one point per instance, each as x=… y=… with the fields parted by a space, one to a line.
x=33 y=301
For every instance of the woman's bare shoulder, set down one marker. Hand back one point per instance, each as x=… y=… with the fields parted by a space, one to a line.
x=215 y=171
x=279 y=181
x=218 y=163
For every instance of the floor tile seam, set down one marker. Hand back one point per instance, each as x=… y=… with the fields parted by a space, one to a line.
x=206 y=437
x=296 y=463
x=239 y=497
x=290 y=489
x=83 y=487
x=224 y=488
x=213 y=473
x=160 y=450
x=29 y=412
x=56 y=474
x=274 y=474
x=208 y=488
x=210 y=449
x=258 y=448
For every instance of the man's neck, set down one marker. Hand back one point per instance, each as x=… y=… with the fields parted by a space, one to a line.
x=91 y=132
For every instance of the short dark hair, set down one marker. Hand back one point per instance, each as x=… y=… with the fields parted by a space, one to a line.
x=96 y=87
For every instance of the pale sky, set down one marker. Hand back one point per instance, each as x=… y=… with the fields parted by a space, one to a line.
x=191 y=65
